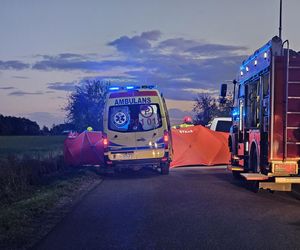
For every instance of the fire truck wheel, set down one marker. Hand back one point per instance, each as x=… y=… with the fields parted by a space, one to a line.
x=253 y=186
x=253 y=161
x=165 y=168
x=236 y=175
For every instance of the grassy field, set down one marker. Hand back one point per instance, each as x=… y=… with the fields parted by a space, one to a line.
x=25 y=161
x=33 y=181
x=24 y=222
x=34 y=146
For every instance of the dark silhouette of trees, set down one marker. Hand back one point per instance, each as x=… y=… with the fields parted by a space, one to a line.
x=63 y=128
x=85 y=105
x=45 y=131
x=208 y=107
x=10 y=125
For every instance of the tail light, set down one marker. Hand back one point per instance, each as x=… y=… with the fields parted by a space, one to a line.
x=105 y=143
x=166 y=139
x=285 y=168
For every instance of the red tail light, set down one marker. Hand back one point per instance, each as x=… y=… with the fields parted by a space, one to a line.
x=166 y=139
x=285 y=168
x=105 y=142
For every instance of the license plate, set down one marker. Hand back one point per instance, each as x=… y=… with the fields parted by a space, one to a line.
x=126 y=156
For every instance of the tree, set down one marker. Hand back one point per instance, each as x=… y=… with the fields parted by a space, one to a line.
x=62 y=128
x=225 y=106
x=208 y=107
x=45 y=131
x=10 y=125
x=85 y=105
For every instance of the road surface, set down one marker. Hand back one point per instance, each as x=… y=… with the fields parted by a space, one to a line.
x=192 y=208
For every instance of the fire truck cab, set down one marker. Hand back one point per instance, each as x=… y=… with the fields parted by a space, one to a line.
x=264 y=139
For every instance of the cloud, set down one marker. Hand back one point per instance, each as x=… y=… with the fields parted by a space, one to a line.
x=178 y=66
x=215 y=49
x=7 y=88
x=59 y=63
x=21 y=77
x=71 y=55
x=135 y=44
x=13 y=65
x=23 y=93
x=177 y=75
x=178 y=44
x=64 y=86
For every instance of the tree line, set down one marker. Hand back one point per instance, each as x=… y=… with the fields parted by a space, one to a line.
x=10 y=125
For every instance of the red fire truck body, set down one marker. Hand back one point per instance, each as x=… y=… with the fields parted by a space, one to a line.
x=265 y=137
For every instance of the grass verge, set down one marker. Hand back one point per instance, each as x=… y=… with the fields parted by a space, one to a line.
x=35 y=146
x=24 y=222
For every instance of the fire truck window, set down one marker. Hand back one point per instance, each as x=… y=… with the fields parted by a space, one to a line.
x=241 y=90
x=252 y=119
x=265 y=82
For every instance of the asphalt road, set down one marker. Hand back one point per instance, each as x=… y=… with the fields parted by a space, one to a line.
x=192 y=208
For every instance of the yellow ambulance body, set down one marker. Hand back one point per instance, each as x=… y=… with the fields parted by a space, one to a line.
x=137 y=129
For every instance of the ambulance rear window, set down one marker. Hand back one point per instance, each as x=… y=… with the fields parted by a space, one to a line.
x=134 y=118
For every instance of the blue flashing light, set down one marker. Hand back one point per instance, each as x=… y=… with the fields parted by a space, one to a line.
x=260 y=51
x=235 y=112
x=130 y=87
x=114 y=88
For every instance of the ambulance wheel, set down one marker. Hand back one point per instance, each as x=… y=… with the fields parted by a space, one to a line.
x=165 y=168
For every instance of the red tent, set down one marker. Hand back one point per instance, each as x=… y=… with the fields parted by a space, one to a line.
x=199 y=146
x=84 y=149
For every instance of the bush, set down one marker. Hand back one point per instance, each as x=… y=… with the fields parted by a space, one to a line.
x=20 y=176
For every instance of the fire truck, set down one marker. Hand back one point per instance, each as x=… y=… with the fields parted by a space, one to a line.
x=264 y=139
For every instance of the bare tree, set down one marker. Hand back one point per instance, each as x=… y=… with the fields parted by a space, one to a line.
x=207 y=107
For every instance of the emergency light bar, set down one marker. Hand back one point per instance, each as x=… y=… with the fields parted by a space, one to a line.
x=131 y=87
x=113 y=88
x=255 y=63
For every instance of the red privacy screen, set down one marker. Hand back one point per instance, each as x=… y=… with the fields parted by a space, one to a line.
x=199 y=146
x=192 y=146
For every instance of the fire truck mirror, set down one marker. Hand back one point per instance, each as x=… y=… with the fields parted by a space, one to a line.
x=234 y=129
x=223 y=90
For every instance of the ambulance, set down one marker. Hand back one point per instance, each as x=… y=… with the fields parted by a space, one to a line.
x=136 y=128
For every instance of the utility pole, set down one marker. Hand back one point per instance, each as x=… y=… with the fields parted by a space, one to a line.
x=280 y=20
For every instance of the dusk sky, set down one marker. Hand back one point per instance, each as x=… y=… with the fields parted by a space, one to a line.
x=184 y=47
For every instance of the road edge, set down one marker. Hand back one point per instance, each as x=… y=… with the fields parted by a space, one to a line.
x=296 y=191
x=47 y=223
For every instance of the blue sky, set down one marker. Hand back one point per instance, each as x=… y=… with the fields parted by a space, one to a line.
x=184 y=47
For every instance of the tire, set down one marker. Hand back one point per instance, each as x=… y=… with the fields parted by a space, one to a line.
x=254 y=168
x=236 y=175
x=253 y=161
x=165 y=168
x=253 y=186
